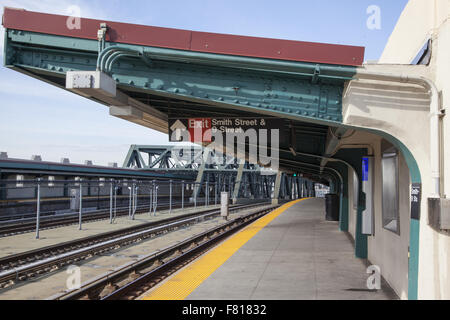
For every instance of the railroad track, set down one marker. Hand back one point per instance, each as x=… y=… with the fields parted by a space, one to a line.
x=23 y=266
x=51 y=222
x=132 y=280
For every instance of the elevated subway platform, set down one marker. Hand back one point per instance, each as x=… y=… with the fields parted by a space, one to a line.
x=291 y=254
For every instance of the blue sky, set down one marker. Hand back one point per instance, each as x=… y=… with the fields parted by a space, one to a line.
x=36 y=118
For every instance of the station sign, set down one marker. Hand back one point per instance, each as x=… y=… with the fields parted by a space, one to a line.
x=365 y=169
x=201 y=130
x=416 y=194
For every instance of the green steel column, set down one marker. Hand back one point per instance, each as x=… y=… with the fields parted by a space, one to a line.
x=354 y=158
x=361 y=239
x=343 y=194
x=343 y=218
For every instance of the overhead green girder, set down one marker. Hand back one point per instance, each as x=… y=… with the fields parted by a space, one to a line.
x=295 y=90
x=307 y=95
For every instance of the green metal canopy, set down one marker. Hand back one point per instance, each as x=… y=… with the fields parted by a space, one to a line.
x=166 y=72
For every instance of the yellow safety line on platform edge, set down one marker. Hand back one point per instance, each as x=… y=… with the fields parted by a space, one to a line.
x=181 y=285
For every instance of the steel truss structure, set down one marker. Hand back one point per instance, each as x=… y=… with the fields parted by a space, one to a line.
x=218 y=172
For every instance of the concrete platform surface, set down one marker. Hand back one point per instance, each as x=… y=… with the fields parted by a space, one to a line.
x=296 y=256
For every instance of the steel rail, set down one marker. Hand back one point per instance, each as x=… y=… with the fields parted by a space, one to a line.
x=12 y=261
x=131 y=277
x=44 y=260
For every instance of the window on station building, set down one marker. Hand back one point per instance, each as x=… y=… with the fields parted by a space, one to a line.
x=424 y=55
x=390 y=194
x=19 y=181
x=51 y=181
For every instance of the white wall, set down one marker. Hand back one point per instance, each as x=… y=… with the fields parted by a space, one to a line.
x=421 y=20
x=386 y=249
x=414 y=27
x=402 y=111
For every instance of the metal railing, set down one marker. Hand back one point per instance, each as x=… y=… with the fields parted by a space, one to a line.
x=34 y=200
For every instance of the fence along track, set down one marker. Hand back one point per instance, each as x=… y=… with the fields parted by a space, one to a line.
x=52 y=222
x=37 y=262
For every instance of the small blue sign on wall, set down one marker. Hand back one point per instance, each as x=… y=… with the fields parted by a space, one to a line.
x=365 y=169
